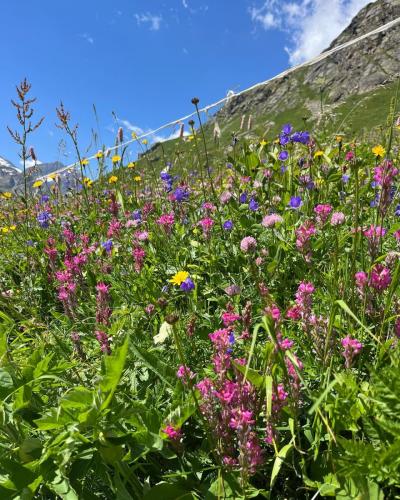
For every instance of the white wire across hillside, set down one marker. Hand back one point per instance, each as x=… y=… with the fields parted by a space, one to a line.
x=205 y=109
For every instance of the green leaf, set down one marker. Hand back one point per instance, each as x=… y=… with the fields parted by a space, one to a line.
x=346 y=308
x=168 y=491
x=6 y=381
x=153 y=362
x=283 y=452
x=113 y=367
x=79 y=397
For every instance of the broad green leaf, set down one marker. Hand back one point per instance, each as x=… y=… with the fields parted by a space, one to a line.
x=153 y=362
x=113 y=367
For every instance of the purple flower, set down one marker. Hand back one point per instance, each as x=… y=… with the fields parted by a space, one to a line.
x=287 y=129
x=284 y=139
x=107 y=245
x=253 y=205
x=302 y=137
x=137 y=214
x=181 y=194
x=228 y=225
x=187 y=285
x=397 y=211
x=295 y=202
x=283 y=155
x=44 y=219
x=243 y=197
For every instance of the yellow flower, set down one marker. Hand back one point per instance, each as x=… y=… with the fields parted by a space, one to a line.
x=145 y=141
x=99 y=155
x=318 y=153
x=116 y=159
x=37 y=184
x=134 y=135
x=88 y=181
x=4 y=230
x=113 y=179
x=52 y=177
x=339 y=138
x=137 y=178
x=179 y=277
x=263 y=143
x=379 y=150
x=190 y=137
x=85 y=162
x=132 y=164
x=7 y=195
x=13 y=227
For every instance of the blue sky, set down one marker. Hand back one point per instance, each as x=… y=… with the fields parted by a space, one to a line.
x=140 y=62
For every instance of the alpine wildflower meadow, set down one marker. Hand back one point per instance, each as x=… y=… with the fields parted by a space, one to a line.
x=220 y=321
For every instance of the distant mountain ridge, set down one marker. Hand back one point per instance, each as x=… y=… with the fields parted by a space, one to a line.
x=362 y=76
x=12 y=178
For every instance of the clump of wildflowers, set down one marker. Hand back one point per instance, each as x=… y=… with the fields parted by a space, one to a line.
x=352 y=347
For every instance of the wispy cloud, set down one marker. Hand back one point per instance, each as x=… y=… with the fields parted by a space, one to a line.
x=185 y=4
x=310 y=24
x=154 y=21
x=129 y=126
x=87 y=37
x=151 y=137
x=30 y=163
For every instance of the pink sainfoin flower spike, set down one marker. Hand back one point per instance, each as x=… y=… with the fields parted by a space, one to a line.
x=185 y=374
x=248 y=244
x=103 y=311
x=352 y=347
x=206 y=224
x=374 y=235
x=173 y=433
x=303 y=236
x=229 y=316
x=102 y=338
x=380 y=277
x=209 y=207
x=322 y=212
x=139 y=255
x=167 y=222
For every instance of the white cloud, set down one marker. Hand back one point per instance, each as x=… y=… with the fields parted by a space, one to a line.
x=185 y=4
x=129 y=126
x=87 y=37
x=153 y=20
x=30 y=163
x=174 y=135
x=310 y=24
x=152 y=137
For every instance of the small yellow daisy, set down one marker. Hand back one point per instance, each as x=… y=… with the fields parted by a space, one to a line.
x=137 y=178
x=379 y=150
x=179 y=277
x=99 y=155
x=113 y=179
x=7 y=195
x=116 y=159
x=85 y=162
x=37 y=184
